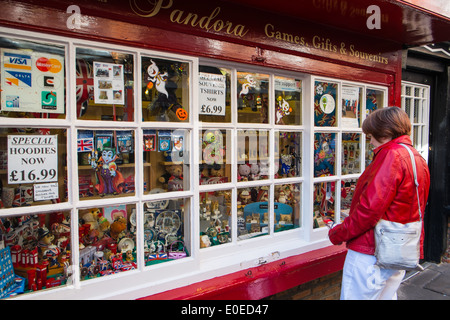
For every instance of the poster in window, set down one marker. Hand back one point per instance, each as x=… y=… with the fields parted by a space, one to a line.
x=108 y=83
x=350 y=106
x=325 y=98
x=212 y=94
x=32 y=81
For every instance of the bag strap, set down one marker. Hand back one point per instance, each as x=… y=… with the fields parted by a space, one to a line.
x=416 y=182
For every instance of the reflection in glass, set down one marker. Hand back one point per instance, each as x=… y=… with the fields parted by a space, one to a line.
x=215 y=164
x=253 y=155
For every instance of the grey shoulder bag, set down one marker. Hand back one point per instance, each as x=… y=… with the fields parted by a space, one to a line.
x=397 y=245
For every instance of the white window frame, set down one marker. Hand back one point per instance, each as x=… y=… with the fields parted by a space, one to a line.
x=419 y=105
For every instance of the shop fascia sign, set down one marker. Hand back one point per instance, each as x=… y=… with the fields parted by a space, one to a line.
x=172 y=14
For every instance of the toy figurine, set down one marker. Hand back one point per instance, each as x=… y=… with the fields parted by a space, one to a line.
x=110 y=179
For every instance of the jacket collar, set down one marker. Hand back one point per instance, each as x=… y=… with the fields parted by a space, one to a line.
x=402 y=139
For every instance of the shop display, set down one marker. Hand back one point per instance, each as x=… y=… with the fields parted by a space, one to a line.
x=325 y=99
x=288 y=153
x=215 y=218
x=253 y=97
x=324 y=204
x=351 y=153
x=106 y=162
x=164 y=90
x=347 y=190
x=324 y=154
x=35 y=252
x=253 y=155
x=164 y=231
x=288 y=101
x=105 y=85
x=351 y=107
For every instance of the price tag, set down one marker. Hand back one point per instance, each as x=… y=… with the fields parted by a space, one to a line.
x=32 y=158
x=212 y=94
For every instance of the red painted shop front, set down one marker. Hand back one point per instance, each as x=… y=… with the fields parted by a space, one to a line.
x=275 y=93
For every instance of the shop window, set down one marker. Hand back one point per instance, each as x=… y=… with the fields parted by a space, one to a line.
x=36 y=252
x=287 y=206
x=165 y=229
x=369 y=152
x=253 y=97
x=107 y=240
x=215 y=164
x=324 y=154
x=351 y=106
x=215 y=218
x=324 y=203
x=214 y=94
x=105 y=85
x=325 y=99
x=253 y=155
x=32 y=166
x=165 y=90
x=288 y=101
x=106 y=163
x=374 y=100
x=166 y=160
x=348 y=187
x=33 y=79
x=253 y=212
x=288 y=157
x=351 y=153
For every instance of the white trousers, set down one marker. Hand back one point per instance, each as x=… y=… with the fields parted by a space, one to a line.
x=363 y=280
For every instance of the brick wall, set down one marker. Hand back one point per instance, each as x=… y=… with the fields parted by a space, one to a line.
x=325 y=288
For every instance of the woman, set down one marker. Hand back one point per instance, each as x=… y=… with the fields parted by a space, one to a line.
x=385 y=190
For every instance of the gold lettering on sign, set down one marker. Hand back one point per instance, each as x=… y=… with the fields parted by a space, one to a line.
x=207 y=23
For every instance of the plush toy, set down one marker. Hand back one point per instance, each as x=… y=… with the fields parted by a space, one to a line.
x=175 y=182
x=254 y=170
x=91 y=218
x=244 y=171
x=117 y=227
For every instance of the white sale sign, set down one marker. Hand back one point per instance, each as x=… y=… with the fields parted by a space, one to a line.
x=32 y=158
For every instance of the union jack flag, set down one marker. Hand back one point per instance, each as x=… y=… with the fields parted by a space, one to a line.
x=85 y=144
x=85 y=85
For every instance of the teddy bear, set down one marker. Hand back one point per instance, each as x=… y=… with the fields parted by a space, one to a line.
x=244 y=171
x=118 y=226
x=175 y=182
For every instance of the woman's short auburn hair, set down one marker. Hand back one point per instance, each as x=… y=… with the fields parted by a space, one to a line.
x=390 y=122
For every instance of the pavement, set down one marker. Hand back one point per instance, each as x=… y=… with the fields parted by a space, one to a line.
x=433 y=283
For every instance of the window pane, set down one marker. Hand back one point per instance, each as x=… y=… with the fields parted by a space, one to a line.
x=287 y=206
x=288 y=101
x=33 y=79
x=166 y=230
x=36 y=252
x=105 y=85
x=165 y=90
x=215 y=94
x=215 y=160
x=215 y=218
x=351 y=106
x=288 y=154
x=253 y=97
x=324 y=154
x=32 y=166
x=106 y=165
x=369 y=152
x=324 y=203
x=374 y=100
x=253 y=212
x=325 y=98
x=351 y=153
x=166 y=166
x=347 y=189
x=253 y=157
x=107 y=240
